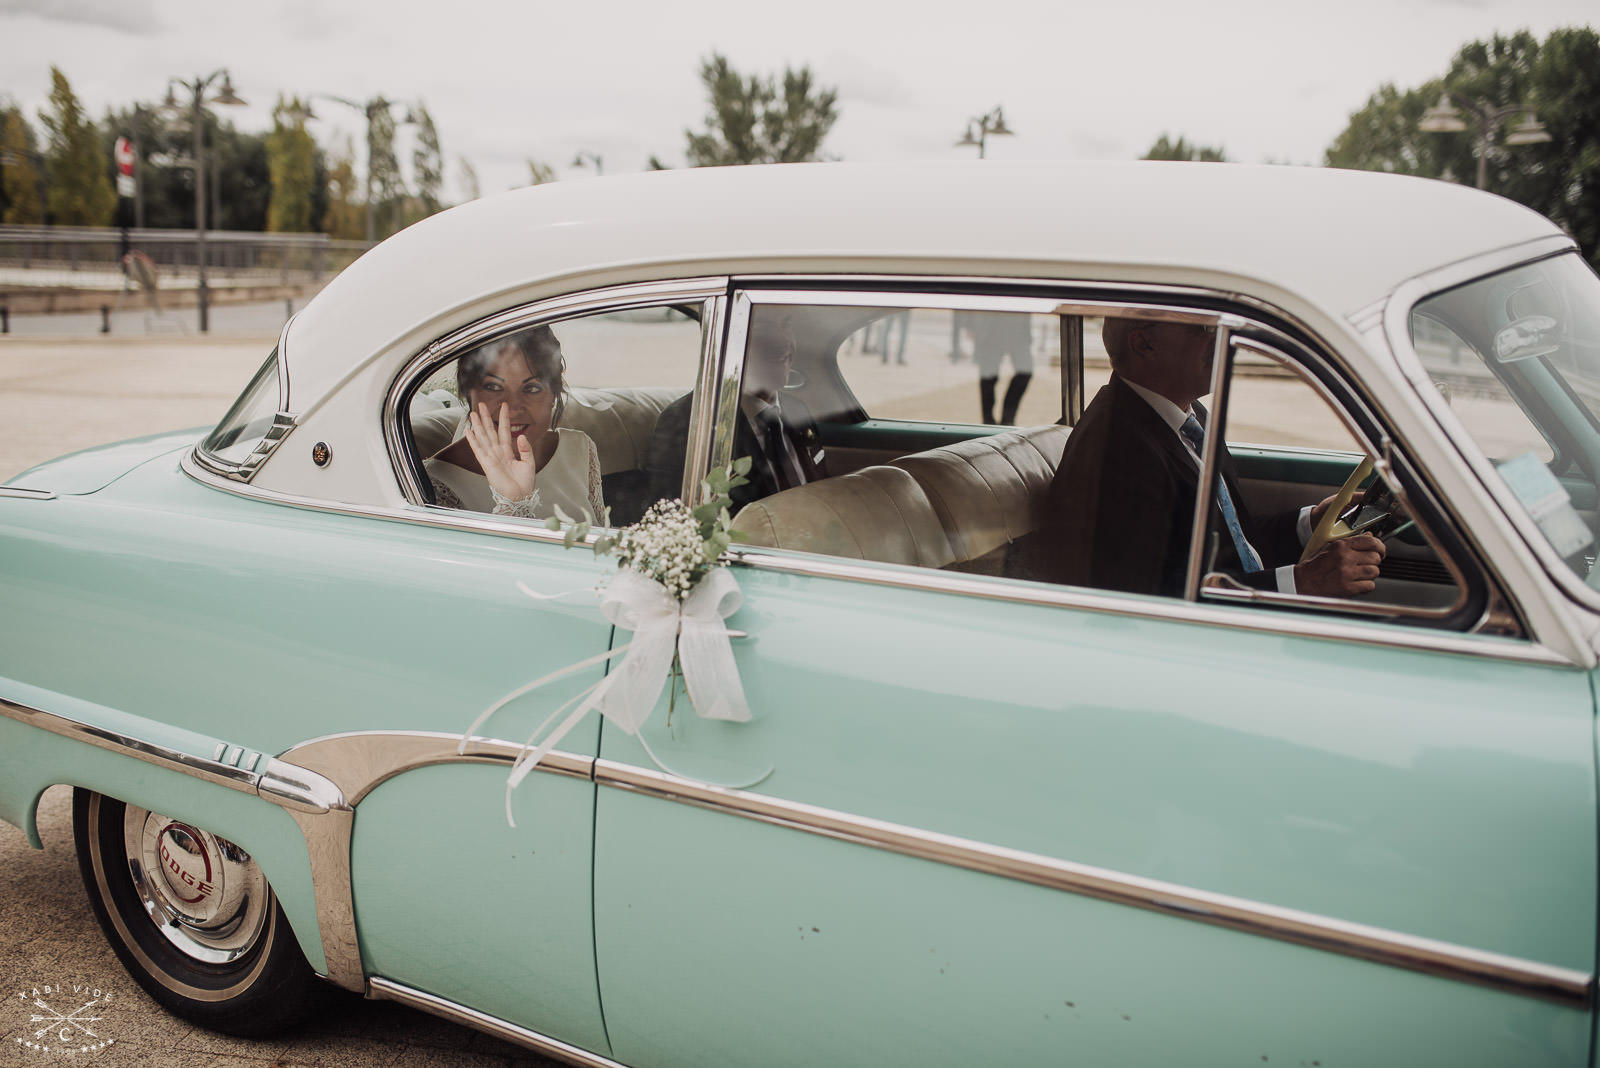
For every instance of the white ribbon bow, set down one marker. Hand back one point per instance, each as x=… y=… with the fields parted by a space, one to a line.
x=662 y=625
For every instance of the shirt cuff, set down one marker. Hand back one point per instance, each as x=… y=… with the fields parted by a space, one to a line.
x=1286 y=579
x=1302 y=526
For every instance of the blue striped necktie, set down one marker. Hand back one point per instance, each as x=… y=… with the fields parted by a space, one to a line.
x=1195 y=435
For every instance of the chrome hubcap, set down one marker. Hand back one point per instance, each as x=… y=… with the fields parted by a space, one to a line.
x=202 y=892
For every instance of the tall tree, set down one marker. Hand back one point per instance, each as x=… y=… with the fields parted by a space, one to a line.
x=756 y=120
x=384 y=183
x=241 y=181
x=20 y=176
x=80 y=170
x=292 y=167
x=540 y=173
x=469 y=178
x=345 y=218
x=1559 y=79
x=1183 y=150
x=427 y=163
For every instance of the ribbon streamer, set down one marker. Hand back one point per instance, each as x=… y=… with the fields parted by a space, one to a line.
x=662 y=626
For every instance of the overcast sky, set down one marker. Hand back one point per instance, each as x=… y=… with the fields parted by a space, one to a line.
x=1264 y=79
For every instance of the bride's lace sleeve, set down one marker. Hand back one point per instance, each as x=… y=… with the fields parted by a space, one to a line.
x=597 y=504
x=445 y=497
x=519 y=509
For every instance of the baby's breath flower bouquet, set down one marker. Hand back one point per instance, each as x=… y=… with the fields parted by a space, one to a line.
x=670 y=543
x=672 y=592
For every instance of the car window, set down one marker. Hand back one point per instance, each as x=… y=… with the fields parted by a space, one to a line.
x=586 y=393
x=949 y=366
x=1485 y=405
x=1290 y=450
x=244 y=430
x=896 y=464
x=1524 y=380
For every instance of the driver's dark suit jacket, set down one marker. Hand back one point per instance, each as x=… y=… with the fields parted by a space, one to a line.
x=1121 y=506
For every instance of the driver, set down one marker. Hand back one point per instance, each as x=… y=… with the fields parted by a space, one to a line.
x=1122 y=501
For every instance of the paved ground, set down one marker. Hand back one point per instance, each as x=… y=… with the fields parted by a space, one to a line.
x=61 y=394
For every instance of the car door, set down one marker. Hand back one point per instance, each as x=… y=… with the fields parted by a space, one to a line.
x=464 y=889
x=980 y=820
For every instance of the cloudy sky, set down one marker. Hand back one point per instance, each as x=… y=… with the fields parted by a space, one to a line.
x=505 y=82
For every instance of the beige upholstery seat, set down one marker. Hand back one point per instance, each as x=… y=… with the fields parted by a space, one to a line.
x=990 y=492
x=961 y=506
x=876 y=513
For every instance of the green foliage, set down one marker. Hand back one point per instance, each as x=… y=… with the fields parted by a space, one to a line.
x=292 y=167
x=1559 y=79
x=540 y=173
x=427 y=163
x=1180 y=149
x=21 y=202
x=755 y=120
x=469 y=179
x=240 y=180
x=715 y=515
x=345 y=217
x=80 y=192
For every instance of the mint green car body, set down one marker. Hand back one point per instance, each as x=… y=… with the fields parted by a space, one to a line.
x=1280 y=815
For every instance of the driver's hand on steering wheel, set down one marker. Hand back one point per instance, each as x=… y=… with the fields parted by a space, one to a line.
x=1342 y=568
x=1317 y=510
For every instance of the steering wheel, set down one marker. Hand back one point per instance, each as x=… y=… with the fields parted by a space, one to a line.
x=1379 y=513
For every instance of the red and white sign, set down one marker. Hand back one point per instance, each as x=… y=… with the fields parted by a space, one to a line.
x=123 y=154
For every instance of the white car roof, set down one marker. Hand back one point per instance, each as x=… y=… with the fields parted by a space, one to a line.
x=1320 y=243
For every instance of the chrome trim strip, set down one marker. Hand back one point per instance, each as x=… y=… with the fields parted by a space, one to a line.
x=1512 y=975
x=712 y=336
x=327 y=836
x=1200 y=514
x=1169 y=610
x=30 y=494
x=282 y=423
x=357 y=762
x=722 y=412
x=213 y=771
x=476 y=522
x=299 y=789
x=387 y=990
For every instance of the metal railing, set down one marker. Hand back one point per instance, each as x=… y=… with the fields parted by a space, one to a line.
x=85 y=257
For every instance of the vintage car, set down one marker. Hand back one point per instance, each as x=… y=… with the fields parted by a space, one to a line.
x=976 y=815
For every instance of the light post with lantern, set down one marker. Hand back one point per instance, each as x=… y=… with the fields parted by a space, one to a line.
x=987 y=124
x=198 y=100
x=1486 y=117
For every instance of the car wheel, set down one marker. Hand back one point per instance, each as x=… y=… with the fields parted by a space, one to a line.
x=192 y=918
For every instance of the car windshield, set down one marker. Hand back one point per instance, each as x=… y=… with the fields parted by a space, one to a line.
x=1517 y=356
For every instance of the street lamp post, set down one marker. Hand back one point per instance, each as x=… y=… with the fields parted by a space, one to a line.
x=225 y=95
x=992 y=122
x=371 y=110
x=1443 y=117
